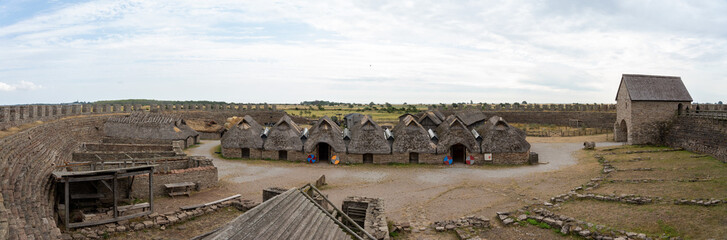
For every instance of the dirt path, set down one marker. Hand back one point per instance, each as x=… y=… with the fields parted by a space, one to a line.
x=418 y=194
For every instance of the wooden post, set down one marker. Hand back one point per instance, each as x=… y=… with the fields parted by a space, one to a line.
x=151 y=190
x=68 y=204
x=116 y=211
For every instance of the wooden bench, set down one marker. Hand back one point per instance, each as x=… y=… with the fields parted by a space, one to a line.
x=87 y=196
x=176 y=189
x=142 y=206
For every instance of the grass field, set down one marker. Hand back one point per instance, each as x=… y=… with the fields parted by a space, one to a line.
x=671 y=177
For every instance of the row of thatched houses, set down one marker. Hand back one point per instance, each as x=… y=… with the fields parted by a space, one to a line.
x=140 y=127
x=364 y=141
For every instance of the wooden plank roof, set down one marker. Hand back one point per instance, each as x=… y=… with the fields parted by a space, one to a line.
x=290 y=215
x=655 y=88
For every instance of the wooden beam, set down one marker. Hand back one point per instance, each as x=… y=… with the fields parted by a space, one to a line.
x=68 y=205
x=116 y=196
x=151 y=190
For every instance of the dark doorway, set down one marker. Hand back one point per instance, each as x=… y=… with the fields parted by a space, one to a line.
x=679 y=112
x=368 y=158
x=324 y=152
x=245 y=153
x=413 y=157
x=622 y=135
x=283 y=155
x=458 y=153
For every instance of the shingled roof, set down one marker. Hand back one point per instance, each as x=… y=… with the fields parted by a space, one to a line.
x=655 y=88
x=290 y=215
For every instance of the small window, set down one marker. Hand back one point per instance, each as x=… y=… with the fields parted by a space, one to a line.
x=283 y=155
x=368 y=158
x=413 y=157
x=245 y=153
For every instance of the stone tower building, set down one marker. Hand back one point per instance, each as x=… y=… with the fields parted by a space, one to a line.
x=644 y=104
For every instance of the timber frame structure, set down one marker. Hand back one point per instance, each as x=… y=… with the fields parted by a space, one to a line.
x=68 y=177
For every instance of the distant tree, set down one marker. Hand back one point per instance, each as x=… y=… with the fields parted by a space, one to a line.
x=371 y=104
x=388 y=105
x=472 y=102
x=454 y=105
x=720 y=102
x=525 y=102
x=404 y=103
x=320 y=107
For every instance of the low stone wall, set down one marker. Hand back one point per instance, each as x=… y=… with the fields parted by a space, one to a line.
x=156 y=220
x=237 y=153
x=292 y=155
x=110 y=156
x=112 y=147
x=204 y=177
x=26 y=162
x=701 y=135
x=510 y=158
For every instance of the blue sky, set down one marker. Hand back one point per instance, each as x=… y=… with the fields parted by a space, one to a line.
x=356 y=51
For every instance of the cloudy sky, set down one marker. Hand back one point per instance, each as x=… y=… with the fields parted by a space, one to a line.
x=356 y=51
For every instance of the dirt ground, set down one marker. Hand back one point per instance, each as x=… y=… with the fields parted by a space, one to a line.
x=418 y=194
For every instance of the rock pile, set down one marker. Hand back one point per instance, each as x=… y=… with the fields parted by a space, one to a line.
x=700 y=202
x=468 y=221
x=566 y=225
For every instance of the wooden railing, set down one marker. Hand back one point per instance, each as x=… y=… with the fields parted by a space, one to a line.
x=722 y=115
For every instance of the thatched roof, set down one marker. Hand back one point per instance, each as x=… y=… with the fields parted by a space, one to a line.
x=246 y=134
x=430 y=119
x=655 y=88
x=470 y=118
x=499 y=137
x=284 y=135
x=141 y=125
x=326 y=131
x=368 y=137
x=410 y=136
x=453 y=131
x=205 y=125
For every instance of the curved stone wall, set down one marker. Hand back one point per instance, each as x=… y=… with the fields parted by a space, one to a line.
x=26 y=162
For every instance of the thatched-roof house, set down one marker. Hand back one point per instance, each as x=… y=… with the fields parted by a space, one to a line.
x=284 y=135
x=499 y=137
x=245 y=138
x=455 y=138
x=410 y=136
x=504 y=143
x=151 y=126
x=367 y=137
x=208 y=129
x=472 y=119
x=323 y=137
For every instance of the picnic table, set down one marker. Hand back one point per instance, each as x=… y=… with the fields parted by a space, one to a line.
x=176 y=189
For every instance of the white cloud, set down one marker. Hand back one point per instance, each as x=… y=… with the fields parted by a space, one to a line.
x=22 y=86
x=553 y=51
